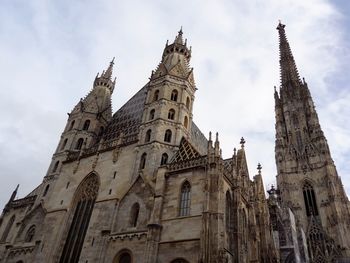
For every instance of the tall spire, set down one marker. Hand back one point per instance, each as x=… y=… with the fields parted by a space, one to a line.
x=178 y=38
x=288 y=68
x=109 y=71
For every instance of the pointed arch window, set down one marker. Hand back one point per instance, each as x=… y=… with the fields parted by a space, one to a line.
x=83 y=205
x=7 y=229
x=171 y=114
x=148 y=135
x=186 y=122
x=167 y=136
x=64 y=144
x=79 y=144
x=151 y=114
x=30 y=234
x=46 y=190
x=134 y=215
x=185 y=199
x=86 y=125
x=54 y=169
x=156 y=95
x=188 y=103
x=164 y=159
x=101 y=131
x=71 y=125
x=123 y=257
x=143 y=161
x=174 y=94
x=310 y=200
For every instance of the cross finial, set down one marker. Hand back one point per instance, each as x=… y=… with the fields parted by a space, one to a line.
x=242 y=142
x=259 y=168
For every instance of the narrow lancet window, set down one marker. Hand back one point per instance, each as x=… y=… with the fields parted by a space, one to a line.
x=310 y=200
x=174 y=94
x=86 y=125
x=164 y=159
x=167 y=136
x=135 y=210
x=30 y=234
x=185 y=199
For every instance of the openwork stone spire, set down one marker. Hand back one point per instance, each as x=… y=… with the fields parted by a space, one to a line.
x=289 y=71
x=108 y=73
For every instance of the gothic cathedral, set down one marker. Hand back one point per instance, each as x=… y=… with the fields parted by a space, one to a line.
x=144 y=185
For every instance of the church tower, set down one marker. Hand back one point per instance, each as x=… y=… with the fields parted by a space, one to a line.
x=86 y=122
x=167 y=114
x=307 y=178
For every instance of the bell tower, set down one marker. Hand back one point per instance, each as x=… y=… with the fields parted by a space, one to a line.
x=167 y=116
x=86 y=122
x=306 y=175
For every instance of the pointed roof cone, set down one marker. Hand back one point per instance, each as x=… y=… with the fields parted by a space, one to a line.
x=178 y=38
x=109 y=71
x=288 y=68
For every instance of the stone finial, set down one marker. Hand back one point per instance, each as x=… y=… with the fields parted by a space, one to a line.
x=259 y=168
x=234 y=151
x=242 y=142
x=210 y=136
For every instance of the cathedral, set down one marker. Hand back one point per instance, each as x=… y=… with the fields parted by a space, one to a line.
x=145 y=185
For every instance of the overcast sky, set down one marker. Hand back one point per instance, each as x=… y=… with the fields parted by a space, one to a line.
x=50 y=52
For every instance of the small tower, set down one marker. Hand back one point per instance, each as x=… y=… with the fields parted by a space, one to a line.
x=87 y=120
x=167 y=117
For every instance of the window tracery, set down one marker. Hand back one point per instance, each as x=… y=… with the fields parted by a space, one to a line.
x=171 y=114
x=86 y=125
x=185 y=199
x=164 y=159
x=30 y=234
x=83 y=204
x=310 y=200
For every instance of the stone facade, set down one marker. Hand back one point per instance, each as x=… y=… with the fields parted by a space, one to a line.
x=145 y=185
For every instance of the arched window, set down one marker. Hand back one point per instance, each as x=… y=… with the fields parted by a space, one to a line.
x=148 y=136
x=185 y=199
x=86 y=125
x=188 y=103
x=164 y=159
x=83 y=204
x=174 y=94
x=54 y=169
x=30 y=234
x=123 y=257
x=179 y=260
x=64 y=144
x=143 y=161
x=134 y=215
x=171 y=114
x=156 y=95
x=151 y=114
x=186 y=122
x=71 y=125
x=79 y=144
x=46 y=190
x=7 y=229
x=101 y=131
x=310 y=200
x=167 y=136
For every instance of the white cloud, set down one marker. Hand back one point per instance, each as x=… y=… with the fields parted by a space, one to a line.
x=51 y=52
